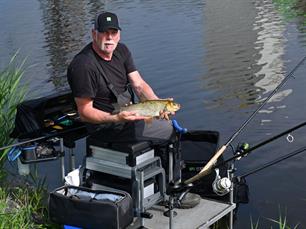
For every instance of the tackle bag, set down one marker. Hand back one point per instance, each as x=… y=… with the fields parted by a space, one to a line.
x=90 y=209
x=53 y=115
x=197 y=148
x=32 y=115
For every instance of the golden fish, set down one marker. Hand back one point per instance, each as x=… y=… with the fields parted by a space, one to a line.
x=152 y=108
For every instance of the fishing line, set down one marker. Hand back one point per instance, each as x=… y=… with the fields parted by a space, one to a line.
x=249 y=150
x=207 y=168
x=277 y=160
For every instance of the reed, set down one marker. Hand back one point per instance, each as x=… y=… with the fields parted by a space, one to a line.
x=11 y=94
x=254 y=226
x=282 y=222
x=21 y=205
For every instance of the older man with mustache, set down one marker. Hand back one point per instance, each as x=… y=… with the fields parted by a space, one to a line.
x=99 y=77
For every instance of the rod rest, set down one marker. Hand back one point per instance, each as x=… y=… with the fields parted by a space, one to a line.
x=176 y=188
x=176 y=192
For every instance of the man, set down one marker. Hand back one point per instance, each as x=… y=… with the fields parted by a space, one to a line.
x=99 y=77
x=95 y=100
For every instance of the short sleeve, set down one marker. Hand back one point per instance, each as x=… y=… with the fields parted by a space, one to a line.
x=82 y=78
x=128 y=60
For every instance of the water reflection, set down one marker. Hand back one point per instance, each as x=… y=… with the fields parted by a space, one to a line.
x=66 y=29
x=231 y=58
x=244 y=53
x=271 y=44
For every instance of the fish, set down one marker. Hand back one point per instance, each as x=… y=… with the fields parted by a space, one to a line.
x=152 y=108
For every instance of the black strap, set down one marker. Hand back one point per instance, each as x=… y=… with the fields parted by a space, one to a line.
x=130 y=89
x=110 y=86
x=108 y=83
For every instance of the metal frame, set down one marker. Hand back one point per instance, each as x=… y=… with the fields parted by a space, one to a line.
x=150 y=168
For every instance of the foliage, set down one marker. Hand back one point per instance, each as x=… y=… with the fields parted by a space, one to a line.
x=10 y=96
x=24 y=205
x=291 y=8
x=282 y=222
x=254 y=226
x=20 y=207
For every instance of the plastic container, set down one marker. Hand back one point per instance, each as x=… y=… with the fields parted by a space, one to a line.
x=23 y=169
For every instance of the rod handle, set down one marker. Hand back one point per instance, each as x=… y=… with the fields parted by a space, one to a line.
x=206 y=169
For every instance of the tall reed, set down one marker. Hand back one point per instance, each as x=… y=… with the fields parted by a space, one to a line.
x=21 y=205
x=11 y=94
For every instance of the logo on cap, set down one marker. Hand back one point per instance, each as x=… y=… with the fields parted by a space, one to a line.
x=108 y=19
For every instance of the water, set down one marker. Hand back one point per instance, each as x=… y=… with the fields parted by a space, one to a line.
x=218 y=58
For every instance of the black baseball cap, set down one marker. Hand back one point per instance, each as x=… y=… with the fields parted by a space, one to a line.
x=105 y=21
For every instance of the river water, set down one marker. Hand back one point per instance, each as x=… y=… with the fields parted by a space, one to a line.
x=218 y=58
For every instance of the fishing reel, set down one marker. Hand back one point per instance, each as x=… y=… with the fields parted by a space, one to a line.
x=221 y=186
x=241 y=150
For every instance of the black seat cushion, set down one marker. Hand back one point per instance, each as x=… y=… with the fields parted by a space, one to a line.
x=128 y=147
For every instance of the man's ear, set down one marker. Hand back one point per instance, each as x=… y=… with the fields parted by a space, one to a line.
x=94 y=35
x=119 y=35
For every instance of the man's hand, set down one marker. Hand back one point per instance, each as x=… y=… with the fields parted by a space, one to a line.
x=166 y=114
x=124 y=116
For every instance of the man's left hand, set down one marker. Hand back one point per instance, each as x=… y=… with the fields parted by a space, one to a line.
x=165 y=114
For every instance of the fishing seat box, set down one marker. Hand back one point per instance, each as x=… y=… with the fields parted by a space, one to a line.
x=132 y=167
x=90 y=209
x=130 y=154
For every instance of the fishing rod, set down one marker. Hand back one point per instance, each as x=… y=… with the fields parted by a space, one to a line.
x=277 y=160
x=243 y=152
x=207 y=168
x=42 y=137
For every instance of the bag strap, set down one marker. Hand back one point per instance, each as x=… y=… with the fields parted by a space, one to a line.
x=128 y=86
x=108 y=83
x=130 y=89
x=110 y=86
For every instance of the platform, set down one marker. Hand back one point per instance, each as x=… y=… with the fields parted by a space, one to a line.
x=202 y=216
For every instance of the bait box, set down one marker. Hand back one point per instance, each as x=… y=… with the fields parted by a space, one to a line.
x=29 y=156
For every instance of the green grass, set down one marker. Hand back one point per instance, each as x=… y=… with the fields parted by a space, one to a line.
x=11 y=94
x=280 y=223
x=21 y=205
x=254 y=226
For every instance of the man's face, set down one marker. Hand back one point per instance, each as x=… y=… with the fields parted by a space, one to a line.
x=107 y=41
